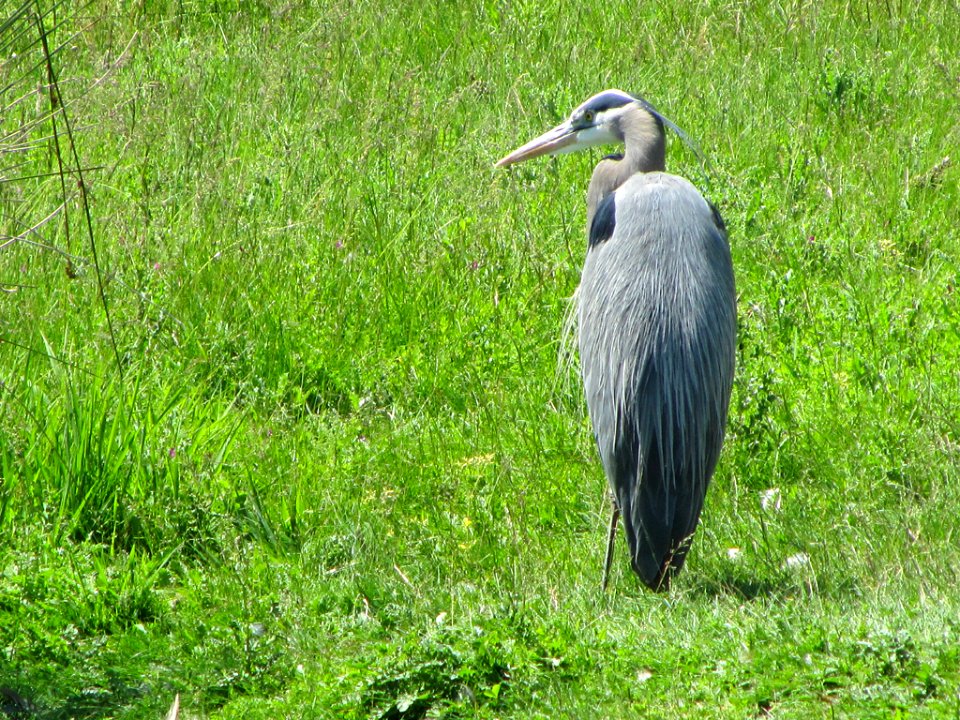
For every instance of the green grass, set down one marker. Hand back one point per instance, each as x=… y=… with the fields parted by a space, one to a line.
x=337 y=472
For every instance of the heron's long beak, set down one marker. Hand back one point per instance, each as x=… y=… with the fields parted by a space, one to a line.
x=550 y=143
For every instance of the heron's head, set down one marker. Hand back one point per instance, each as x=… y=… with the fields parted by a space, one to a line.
x=598 y=121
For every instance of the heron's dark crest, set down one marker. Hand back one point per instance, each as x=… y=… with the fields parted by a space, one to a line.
x=601 y=103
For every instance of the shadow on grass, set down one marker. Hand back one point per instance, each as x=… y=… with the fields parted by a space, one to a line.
x=744 y=586
x=82 y=705
x=15 y=705
x=740 y=583
x=89 y=703
x=718 y=582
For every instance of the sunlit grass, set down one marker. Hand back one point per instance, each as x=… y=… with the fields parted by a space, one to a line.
x=341 y=474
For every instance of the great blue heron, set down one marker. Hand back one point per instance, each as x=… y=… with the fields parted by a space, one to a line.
x=656 y=318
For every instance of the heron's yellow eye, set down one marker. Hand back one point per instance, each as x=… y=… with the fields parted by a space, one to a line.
x=588 y=116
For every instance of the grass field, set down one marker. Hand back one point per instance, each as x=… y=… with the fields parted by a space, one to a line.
x=285 y=428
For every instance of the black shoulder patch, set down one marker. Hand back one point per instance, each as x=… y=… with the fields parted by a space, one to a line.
x=613 y=156
x=604 y=220
x=717 y=220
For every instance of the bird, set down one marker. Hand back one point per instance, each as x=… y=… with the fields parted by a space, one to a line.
x=656 y=325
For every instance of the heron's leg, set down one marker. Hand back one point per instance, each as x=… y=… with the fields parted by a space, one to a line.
x=614 y=518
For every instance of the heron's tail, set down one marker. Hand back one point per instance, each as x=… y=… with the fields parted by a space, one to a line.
x=660 y=514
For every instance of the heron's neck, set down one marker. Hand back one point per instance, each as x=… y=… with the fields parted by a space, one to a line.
x=643 y=137
x=645 y=141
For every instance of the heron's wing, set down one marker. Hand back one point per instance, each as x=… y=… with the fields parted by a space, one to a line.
x=656 y=335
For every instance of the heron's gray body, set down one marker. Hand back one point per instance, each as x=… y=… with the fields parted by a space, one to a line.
x=658 y=394
x=656 y=315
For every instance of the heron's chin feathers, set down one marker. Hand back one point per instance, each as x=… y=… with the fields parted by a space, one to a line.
x=599 y=134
